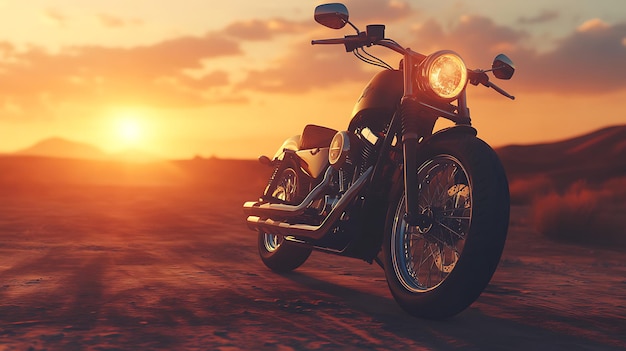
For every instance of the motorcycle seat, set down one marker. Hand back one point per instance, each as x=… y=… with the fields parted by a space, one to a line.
x=314 y=136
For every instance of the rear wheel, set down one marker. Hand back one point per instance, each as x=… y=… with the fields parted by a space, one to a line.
x=276 y=253
x=438 y=270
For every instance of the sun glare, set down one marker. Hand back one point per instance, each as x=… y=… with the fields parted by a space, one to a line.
x=129 y=130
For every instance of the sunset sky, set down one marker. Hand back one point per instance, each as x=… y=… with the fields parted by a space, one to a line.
x=234 y=78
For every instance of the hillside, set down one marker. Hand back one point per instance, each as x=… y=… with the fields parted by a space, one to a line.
x=62 y=148
x=67 y=149
x=26 y=171
x=593 y=157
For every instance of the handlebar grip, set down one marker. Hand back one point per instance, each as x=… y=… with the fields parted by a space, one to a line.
x=328 y=41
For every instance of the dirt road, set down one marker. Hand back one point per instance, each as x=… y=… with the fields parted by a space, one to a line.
x=139 y=268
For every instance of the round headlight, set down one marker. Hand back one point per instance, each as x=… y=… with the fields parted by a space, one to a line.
x=443 y=74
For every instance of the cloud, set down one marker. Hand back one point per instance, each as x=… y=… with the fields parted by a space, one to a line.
x=111 y=21
x=35 y=80
x=594 y=24
x=589 y=60
x=543 y=17
x=364 y=12
x=478 y=39
x=306 y=68
x=55 y=17
x=254 y=30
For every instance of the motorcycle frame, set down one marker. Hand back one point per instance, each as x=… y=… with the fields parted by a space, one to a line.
x=390 y=172
x=412 y=124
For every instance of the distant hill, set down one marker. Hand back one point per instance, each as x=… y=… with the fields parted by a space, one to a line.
x=593 y=157
x=30 y=172
x=62 y=148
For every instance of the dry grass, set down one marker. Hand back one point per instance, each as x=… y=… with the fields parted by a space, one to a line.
x=525 y=190
x=584 y=214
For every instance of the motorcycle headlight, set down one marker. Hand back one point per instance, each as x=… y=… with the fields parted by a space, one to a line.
x=443 y=75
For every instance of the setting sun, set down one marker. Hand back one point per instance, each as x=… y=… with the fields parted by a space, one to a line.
x=129 y=129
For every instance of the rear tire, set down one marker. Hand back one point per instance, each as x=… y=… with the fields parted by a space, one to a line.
x=437 y=271
x=277 y=253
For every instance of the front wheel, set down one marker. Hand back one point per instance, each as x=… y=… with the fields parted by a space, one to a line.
x=276 y=253
x=438 y=270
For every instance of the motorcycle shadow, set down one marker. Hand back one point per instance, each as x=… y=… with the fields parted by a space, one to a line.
x=381 y=318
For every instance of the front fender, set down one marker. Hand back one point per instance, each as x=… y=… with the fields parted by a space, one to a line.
x=447 y=133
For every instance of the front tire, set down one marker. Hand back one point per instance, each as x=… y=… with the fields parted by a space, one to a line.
x=438 y=270
x=276 y=253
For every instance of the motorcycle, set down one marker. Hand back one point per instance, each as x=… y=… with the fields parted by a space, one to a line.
x=430 y=207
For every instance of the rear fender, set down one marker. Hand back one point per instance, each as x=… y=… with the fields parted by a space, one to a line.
x=313 y=161
x=290 y=143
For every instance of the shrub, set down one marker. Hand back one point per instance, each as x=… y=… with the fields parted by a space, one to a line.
x=524 y=190
x=583 y=214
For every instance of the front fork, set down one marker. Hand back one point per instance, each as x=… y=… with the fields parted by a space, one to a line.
x=418 y=122
x=416 y=125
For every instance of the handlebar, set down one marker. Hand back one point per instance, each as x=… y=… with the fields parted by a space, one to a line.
x=328 y=41
x=353 y=42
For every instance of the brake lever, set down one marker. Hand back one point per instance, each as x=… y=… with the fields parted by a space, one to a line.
x=481 y=77
x=499 y=90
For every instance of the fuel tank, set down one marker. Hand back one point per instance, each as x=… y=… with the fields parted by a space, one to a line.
x=379 y=99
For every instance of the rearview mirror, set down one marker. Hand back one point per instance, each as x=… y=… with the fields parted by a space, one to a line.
x=503 y=67
x=333 y=16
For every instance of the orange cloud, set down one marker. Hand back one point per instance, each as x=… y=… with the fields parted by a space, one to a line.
x=55 y=17
x=594 y=24
x=307 y=67
x=372 y=11
x=264 y=29
x=34 y=79
x=588 y=60
x=111 y=21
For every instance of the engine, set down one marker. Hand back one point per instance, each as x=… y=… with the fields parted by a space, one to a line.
x=351 y=153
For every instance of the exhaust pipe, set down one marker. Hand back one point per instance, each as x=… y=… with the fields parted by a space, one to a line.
x=273 y=226
x=284 y=211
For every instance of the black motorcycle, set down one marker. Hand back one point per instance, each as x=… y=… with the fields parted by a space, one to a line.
x=431 y=208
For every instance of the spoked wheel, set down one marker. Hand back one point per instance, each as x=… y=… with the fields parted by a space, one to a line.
x=437 y=270
x=276 y=253
x=424 y=256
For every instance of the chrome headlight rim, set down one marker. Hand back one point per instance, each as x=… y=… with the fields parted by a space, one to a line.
x=339 y=148
x=427 y=78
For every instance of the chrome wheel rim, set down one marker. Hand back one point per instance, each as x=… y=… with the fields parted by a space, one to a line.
x=423 y=257
x=286 y=191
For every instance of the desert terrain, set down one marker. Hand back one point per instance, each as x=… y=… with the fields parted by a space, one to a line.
x=98 y=255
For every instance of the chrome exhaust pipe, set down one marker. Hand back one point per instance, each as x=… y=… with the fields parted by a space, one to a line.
x=284 y=211
x=273 y=226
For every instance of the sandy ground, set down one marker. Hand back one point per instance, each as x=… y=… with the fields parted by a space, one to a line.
x=140 y=268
